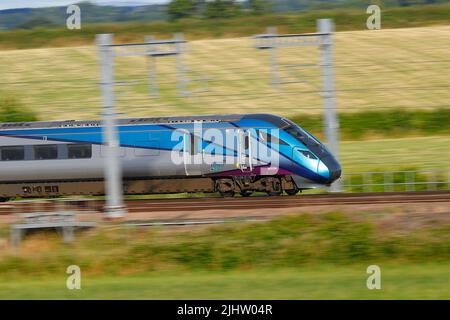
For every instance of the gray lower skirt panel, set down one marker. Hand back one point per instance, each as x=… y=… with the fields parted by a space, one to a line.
x=142 y=186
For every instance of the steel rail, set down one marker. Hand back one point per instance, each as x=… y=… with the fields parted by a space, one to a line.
x=252 y=203
x=259 y=202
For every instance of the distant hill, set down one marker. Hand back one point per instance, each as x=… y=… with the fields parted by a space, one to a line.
x=56 y=16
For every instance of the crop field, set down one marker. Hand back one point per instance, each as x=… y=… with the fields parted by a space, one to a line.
x=375 y=70
x=379 y=75
x=392 y=154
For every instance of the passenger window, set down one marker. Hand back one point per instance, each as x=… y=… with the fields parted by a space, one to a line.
x=13 y=153
x=79 y=151
x=45 y=152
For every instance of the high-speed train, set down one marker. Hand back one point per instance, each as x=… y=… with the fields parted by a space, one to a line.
x=227 y=154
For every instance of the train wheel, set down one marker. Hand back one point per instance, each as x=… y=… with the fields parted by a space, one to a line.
x=225 y=187
x=246 y=193
x=273 y=187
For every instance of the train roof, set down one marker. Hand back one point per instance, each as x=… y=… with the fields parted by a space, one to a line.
x=275 y=120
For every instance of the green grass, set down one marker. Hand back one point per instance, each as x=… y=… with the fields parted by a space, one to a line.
x=385 y=123
x=289 y=242
x=406 y=281
x=12 y=111
x=403 y=181
x=308 y=256
x=345 y=19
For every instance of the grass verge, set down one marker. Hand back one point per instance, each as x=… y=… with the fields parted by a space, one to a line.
x=289 y=242
x=398 y=281
x=309 y=256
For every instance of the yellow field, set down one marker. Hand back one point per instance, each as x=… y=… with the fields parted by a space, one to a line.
x=405 y=68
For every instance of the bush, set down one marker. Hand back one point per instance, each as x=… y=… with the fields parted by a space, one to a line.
x=395 y=123
x=12 y=111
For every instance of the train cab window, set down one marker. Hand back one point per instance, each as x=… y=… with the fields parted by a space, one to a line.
x=302 y=136
x=79 y=151
x=13 y=153
x=297 y=134
x=45 y=152
x=308 y=154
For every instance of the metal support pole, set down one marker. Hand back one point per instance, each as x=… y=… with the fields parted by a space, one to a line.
x=331 y=122
x=113 y=172
x=367 y=181
x=16 y=236
x=410 y=181
x=68 y=234
x=432 y=186
x=388 y=181
x=152 y=82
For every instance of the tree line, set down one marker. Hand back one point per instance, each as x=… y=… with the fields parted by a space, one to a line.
x=179 y=9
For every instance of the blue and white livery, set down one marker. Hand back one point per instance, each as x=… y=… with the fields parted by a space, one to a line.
x=221 y=153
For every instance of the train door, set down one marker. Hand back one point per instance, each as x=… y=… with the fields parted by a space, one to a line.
x=244 y=147
x=192 y=154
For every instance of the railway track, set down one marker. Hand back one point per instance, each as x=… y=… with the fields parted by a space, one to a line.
x=238 y=203
x=192 y=211
x=262 y=202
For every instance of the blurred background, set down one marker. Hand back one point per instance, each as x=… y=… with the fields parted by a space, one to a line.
x=393 y=102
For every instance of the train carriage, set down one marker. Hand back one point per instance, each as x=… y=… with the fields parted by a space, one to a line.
x=222 y=153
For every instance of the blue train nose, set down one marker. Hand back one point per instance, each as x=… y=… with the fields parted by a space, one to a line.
x=334 y=168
